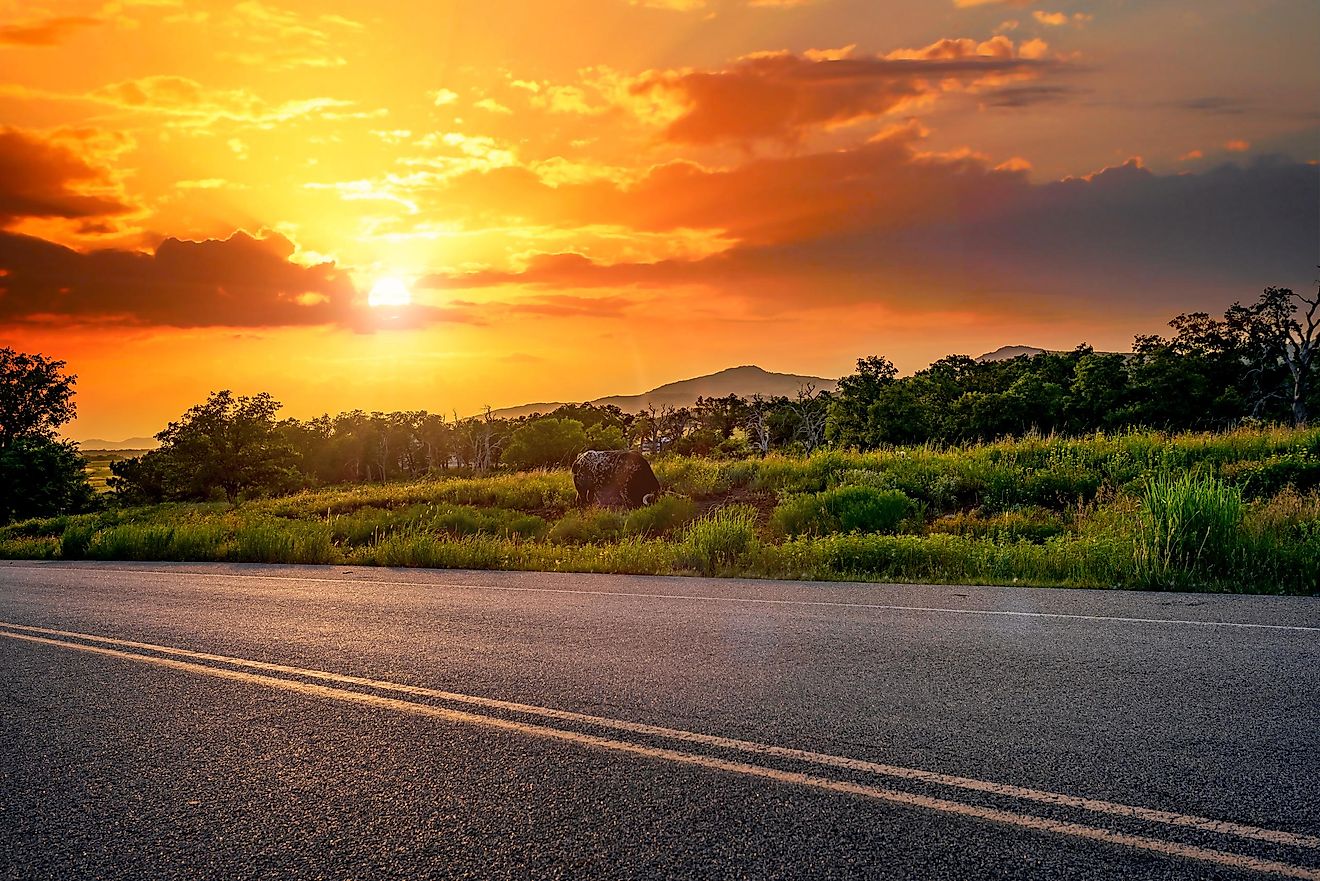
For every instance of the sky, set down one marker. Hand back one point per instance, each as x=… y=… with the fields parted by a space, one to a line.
x=565 y=199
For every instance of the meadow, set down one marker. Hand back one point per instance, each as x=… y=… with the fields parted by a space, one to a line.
x=1234 y=512
x=97 y=465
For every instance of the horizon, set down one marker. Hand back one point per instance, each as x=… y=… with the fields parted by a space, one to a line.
x=147 y=435
x=357 y=207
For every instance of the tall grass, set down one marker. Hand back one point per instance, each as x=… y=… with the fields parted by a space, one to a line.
x=1189 y=531
x=721 y=539
x=1238 y=511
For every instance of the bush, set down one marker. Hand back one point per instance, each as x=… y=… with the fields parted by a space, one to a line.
x=720 y=539
x=660 y=518
x=1188 y=531
x=843 y=509
x=1299 y=470
x=689 y=476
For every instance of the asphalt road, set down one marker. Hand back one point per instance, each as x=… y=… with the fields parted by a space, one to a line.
x=211 y=721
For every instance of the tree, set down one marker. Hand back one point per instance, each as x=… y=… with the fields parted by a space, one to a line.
x=36 y=396
x=1283 y=327
x=811 y=409
x=39 y=475
x=227 y=444
x=544 y=443
x=42 y=477
x=851 y=421
x=603 y=436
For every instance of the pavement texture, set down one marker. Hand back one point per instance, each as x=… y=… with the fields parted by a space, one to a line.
x=120 y=757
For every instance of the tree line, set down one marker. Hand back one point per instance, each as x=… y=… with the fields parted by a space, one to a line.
x=1253 y=364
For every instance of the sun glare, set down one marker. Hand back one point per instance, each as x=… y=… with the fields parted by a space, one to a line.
x=389 y=292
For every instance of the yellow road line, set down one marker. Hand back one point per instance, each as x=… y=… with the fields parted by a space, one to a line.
x=1202 y=824
x=1024 y=821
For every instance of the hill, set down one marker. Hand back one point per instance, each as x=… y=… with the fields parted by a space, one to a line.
x=1006 y=353
x=746 y=381
x=92 y=444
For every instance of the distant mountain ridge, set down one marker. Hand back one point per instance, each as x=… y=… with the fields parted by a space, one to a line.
x=131 y=443
x=1007 y=353
x=746 y=381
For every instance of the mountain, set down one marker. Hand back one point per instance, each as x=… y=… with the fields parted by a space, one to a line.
x=745 y=381
x=1005 y=353
x=132 y=443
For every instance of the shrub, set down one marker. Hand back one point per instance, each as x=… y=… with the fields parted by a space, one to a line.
x=688 y=476
x=1267 y=477
x=664 y=516
x=843 y=509
x=1188 y=530
x=720 y=539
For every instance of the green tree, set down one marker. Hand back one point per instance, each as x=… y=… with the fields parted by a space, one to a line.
x=602 y=436
x=39 y=475
x=851 y=422
x=544 y=443
x=36 y=396
x=226 y=444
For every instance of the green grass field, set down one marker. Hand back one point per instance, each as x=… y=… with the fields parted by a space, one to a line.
x=98 y=465
x=1238 y=512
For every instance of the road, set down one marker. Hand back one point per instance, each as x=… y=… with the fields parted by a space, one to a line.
x=215 y=721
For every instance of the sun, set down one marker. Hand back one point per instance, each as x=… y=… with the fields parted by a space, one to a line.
x=389 y=291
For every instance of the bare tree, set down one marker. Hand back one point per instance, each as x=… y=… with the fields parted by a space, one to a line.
x=810 y=407
x=1285 y=327
x=758 y=423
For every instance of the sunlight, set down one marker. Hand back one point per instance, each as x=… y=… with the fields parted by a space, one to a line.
x=389 y=291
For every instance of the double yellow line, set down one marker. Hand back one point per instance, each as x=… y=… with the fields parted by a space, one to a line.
x=240 y=670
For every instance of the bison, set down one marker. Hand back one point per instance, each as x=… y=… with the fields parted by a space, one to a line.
x=614 y=478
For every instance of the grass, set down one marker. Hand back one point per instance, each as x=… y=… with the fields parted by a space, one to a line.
x=1236 y=511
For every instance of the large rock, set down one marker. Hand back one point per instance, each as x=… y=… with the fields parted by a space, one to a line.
x=614 y=478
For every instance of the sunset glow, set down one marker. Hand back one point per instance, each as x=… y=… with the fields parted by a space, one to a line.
x=662 y=189
x=389 y=292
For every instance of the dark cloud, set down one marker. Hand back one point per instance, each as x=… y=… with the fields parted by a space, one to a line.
x=1027 y=96
x=886 y=222
x=41 y=178
x=1216 y=104
x=780 y=96
x=242 y=281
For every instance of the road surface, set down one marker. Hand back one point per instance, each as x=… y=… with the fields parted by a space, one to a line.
x=214 y=721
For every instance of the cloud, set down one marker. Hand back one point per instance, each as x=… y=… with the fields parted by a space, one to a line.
x=967 y=4
x=277 y=38
x=47 y=31
x=1237 y=145
x=675 y=5
x=192 y=104
x=1215 y=104
x=44 y=178
x=781 y=96
x=888 y=221
x=242 y=281
x=1059 y=19
x=1027 y=96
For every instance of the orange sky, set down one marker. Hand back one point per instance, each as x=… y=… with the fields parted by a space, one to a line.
x=590 y=197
